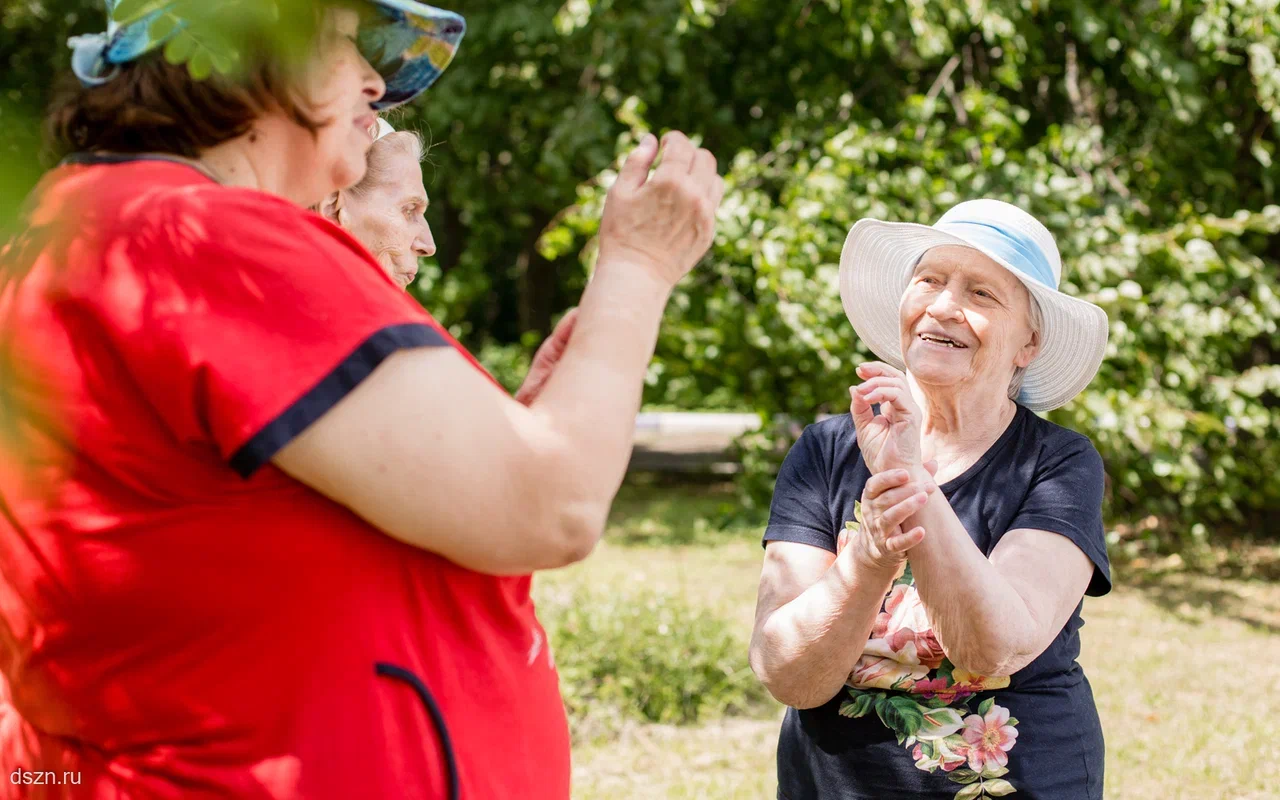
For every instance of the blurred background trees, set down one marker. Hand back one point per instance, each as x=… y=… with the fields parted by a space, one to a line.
x=1144 y=134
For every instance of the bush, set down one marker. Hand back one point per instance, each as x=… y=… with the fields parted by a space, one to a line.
x=645 y=656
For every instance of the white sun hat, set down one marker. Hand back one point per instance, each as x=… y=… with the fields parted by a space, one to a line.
x=879 y=258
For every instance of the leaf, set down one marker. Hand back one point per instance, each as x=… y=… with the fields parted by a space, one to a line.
x=201 y=64
x=998 y=787
x=986 y=706
x=163 y=27
x=180 y=48
x=1012 y=721
x=863 y=705
x=859 y=706
x=994 y=772
x=127 y=11
x=939 y=723
x=857 y=511
x=969 y=792
x=945 y=670
x=962 y=775
x=224 y=63
x=901 y=714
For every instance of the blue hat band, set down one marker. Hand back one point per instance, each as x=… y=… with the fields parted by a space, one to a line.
x=1011 y=246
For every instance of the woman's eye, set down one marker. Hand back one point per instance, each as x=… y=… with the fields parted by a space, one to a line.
x=984 y=294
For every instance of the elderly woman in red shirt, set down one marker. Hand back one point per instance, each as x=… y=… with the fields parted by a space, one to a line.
x=271 y=535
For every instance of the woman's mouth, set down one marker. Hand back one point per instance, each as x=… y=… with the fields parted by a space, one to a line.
x=368 y=123
x=938 y=340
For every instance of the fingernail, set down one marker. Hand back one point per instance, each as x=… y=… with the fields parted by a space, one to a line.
x=649 y=140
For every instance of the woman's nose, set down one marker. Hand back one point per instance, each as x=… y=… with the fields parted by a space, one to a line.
x=425 y=244
x=375 y=86
x=944 y=306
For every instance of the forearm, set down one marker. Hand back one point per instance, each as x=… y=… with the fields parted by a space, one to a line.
x=590 y=401
x=978 y=616
x=805 y=650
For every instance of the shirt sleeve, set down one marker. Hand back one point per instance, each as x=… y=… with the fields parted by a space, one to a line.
x=1066 y=498
x=800 y=510
x=244 y=319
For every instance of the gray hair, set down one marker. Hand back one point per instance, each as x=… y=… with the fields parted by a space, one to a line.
x=379 y=167
x=1036 y=318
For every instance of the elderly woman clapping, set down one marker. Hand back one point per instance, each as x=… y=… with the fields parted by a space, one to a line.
x=926 y=556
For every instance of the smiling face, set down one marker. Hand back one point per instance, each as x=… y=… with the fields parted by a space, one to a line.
x=965 y=322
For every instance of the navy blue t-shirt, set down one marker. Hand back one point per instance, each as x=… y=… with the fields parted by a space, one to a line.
x=908 y=723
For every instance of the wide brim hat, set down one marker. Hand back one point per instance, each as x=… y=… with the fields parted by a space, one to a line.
x=407 y=42
x=879 y=258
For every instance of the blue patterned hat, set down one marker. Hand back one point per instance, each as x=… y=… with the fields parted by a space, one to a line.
x=407 y=42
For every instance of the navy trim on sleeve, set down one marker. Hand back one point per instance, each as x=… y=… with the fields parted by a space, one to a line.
x=332 y=388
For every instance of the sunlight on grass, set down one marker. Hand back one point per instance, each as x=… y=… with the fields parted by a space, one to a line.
x=1183 y=668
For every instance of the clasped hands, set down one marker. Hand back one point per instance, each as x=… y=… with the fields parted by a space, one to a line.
x=900 y=483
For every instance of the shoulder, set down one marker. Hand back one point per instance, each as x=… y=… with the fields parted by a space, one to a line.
x=1056 y=447
x=159 y=208
x=834 y=434
x=824 y=447
x=246 y=220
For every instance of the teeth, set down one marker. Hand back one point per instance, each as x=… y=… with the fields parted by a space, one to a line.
x=939 y=340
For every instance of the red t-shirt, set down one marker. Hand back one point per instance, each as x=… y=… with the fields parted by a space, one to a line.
x=179 y=618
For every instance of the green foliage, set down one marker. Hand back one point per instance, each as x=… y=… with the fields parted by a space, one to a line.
x=1121 y=132
x=646 y=656
x=226 y=36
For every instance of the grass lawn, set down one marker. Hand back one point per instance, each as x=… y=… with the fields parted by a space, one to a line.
x=1184 y=668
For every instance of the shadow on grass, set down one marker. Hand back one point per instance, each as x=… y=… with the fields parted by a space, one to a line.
x=1197 y=598
x=662 y=511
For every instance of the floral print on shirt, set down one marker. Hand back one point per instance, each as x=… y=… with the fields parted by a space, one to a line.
x=907 y=680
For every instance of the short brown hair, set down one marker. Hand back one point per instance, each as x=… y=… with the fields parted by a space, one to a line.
x=153 y=106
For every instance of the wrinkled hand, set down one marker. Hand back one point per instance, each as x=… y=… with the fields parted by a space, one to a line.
x=888 y=500
x=891 y=439
x=665 y=222
x=546 y=359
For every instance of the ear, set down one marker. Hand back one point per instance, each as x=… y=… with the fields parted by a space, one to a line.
x=331 y=207
x=1028 y=352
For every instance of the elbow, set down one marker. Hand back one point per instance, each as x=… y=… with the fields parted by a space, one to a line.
x=772 y=676
x=575 y=531
x=996 y=658
x=564 y=512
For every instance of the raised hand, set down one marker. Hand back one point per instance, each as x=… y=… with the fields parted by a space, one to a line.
x=662 y=223
x=890 y=439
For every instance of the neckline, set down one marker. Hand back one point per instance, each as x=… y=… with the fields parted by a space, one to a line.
x=95 y=159
x=977 y=466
